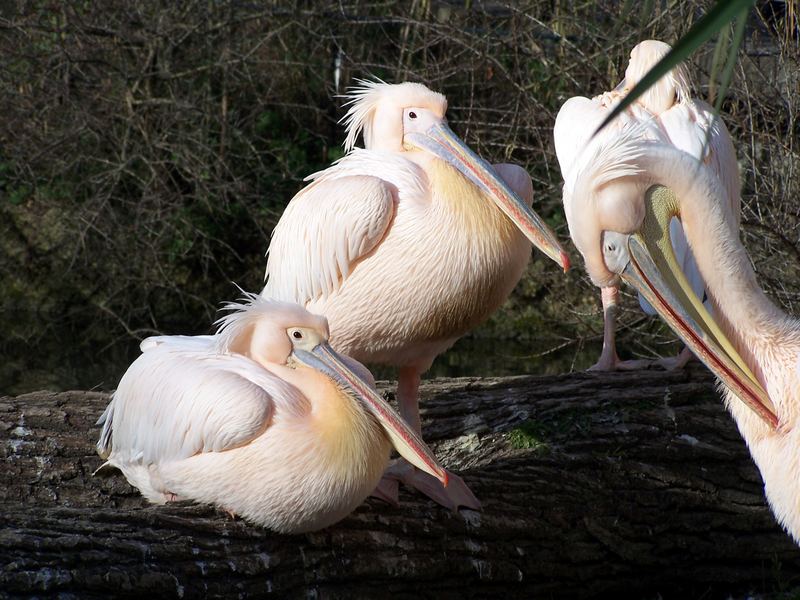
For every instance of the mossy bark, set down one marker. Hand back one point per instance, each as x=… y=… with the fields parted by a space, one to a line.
x=593 y=485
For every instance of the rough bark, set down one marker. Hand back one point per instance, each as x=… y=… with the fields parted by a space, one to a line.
x=593 y=485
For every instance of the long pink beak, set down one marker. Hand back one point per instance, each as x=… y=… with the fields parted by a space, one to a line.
x=654 y=272
x=440 y=140
x=324 y=359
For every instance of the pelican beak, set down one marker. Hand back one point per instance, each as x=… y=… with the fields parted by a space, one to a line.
x=324 y=359
x=654 y=272
x=440 y=140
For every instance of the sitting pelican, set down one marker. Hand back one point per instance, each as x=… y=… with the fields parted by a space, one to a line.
x=628 y=194
x=262 y=419
x=665 y=112
x=406 y=245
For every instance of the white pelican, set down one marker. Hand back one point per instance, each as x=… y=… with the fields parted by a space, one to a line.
x=406 y=245
x=666 y=112
x=631 y=192
x=262 y=419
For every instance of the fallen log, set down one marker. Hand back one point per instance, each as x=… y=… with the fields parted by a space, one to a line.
x=593 y=485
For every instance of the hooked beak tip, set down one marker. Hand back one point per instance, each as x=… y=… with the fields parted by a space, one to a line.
x=565 y=261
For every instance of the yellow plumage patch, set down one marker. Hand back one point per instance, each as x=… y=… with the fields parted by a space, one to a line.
x=346 y=433
x=468 y=205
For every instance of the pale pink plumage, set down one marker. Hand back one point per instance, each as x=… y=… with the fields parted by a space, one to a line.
x=767 y=339
x=237 y=420
x=400 y=251
x=352 y=245
x=665 y=113
x=393 y=257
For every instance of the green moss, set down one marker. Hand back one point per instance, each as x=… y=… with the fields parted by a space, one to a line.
x=529 y=436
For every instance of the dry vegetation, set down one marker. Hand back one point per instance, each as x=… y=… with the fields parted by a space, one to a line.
x=148 y=148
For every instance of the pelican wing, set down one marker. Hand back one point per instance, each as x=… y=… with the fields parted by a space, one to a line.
x=575 y=125
x=571 y=133
x=181 y=398
x=687 y=126
x=187 y=342
x=328 y=227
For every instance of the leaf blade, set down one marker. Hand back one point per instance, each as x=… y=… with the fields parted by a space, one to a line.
x=727 y=73
x=714 y=20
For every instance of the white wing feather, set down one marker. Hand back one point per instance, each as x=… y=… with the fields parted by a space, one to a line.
x=333 y=223
x=573 y=133
x=181 y=398
x=187 y=342
x=687 y=125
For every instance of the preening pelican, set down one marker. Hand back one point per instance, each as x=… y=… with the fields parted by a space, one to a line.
x=627 y=198
x=406 y=245
x=666 y=112
x=262 y=419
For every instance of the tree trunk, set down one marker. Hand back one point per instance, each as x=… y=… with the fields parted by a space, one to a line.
x=593 y=485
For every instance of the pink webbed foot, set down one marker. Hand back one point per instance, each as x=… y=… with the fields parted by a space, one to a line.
x=676 y=362
x=609 y=361
x=388 y=490
x=456 y=495
x=621 y=365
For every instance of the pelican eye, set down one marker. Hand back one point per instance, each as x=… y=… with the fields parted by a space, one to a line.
x=412 y=115
x=610 y=247
x=297 y=335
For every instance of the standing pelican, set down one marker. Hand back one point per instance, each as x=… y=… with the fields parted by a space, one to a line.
x=263 y=419
x=627 y=198
x=406 y=245
x=665 y=112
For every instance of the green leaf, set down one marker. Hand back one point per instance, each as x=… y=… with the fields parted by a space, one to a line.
x=718 y=17
x=721 y=51
x=727 y=74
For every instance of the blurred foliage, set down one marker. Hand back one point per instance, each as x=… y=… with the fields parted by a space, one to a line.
x=148 y=148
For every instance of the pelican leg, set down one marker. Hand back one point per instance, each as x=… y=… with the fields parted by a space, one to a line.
x=408 y=397
x=609 y=361
x=456 y=494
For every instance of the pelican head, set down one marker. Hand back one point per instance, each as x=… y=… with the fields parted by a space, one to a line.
x=409 y=117
x=672 y=88
x=278 y=333
x=622 y=230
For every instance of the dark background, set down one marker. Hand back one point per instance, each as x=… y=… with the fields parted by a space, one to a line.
x=148 y=148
